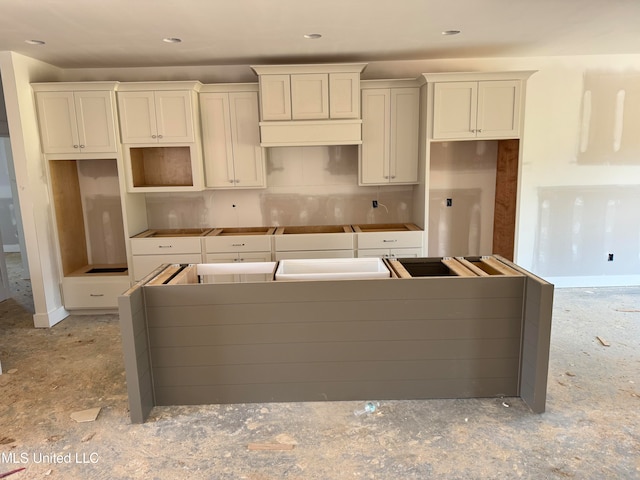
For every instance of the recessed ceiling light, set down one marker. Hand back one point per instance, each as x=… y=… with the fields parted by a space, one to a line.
x=451 y=32
x=34 y=42
x=172 y=40
x=312 y=36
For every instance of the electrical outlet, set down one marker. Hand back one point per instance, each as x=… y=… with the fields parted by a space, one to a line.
x=375 y=203
x=610 y=258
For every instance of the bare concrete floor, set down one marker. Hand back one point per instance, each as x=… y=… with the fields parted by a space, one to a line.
x=591 y=429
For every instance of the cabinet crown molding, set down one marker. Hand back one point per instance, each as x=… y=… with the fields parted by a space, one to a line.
x=74 y=86
x=170 y=85
x=309 y=68
x=473 y=76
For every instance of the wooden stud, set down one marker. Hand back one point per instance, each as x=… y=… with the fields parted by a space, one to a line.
x=504 y=217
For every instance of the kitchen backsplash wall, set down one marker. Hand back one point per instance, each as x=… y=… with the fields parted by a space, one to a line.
x=306 y=186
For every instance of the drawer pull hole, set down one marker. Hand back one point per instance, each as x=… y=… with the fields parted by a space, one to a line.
x=390 y=241
x=237 y=244
x=165 y=246
x=96 y=294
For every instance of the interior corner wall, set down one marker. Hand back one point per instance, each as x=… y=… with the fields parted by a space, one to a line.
x=18 y=72
x=579 y=165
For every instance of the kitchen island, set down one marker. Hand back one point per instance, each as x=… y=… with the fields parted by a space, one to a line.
x=433 y=328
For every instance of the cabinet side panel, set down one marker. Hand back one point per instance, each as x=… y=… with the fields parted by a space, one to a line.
x=67 y=202
x=504 y=216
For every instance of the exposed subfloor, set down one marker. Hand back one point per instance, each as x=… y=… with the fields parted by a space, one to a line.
x=591 y=429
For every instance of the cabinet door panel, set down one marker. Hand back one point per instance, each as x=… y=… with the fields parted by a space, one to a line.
x=498 y=109
x=216 y=138
x=310 y=96
x=275 y=97
x=374 y=152
x=344 y=95
x=248 y=160
x=137 y=117
x=57 y=121
x=455 y=108
x=96 y=123
x=174 y=116
x=405 y=111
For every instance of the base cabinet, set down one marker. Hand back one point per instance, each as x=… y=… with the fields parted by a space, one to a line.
x=390 y=252
x=86 y=293
x=150 y=253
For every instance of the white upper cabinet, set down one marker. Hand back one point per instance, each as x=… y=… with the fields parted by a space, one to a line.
x=77 y=118
x=310 y=92
x=304 y=105
x=275 y=97
x=390 y=131
x=157 y=114
x=310 y=96
x=233 y=156
x=476 y=105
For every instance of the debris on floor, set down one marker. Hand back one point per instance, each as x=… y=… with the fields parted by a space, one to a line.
x=271 y=446
x=603 y=341
x=3 y=475
x=88 y=415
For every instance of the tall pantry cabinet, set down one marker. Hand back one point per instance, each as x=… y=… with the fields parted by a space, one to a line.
x=80 y=144
x=480 y=107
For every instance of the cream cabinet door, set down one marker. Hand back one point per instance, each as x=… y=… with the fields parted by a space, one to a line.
x=137 y=117
x=310 y=96
x=275 y=97
x=498 y=109
x=404 y=131
x=216 y=139
x=57 y=121
x=231 y=139
x=455 y=110
x=344 y=95
x=77 y=122
x=156 y=117
x=174 y=115
x=374 y=151
x=390 y=128
x=96 y=121
x=248 y=155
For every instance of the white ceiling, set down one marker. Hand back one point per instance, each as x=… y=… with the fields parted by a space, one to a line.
x=129 y=33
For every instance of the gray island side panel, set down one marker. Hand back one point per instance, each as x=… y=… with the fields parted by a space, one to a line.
x=335 y=340
x=135 y=340
x=536 y=339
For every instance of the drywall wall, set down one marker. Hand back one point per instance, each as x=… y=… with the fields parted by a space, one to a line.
x=306 y=186
x=8 y=221
x=18 y=72
x=104 y=226
x=462 y=186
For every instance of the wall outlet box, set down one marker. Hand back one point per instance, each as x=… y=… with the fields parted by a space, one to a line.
x=375 y=203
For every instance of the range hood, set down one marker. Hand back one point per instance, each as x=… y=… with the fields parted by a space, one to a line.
x=308 y=105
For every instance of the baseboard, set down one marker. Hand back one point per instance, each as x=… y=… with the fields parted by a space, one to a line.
x=49 y=319
x=595 y=281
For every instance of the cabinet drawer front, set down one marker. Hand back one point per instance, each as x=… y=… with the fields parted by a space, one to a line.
x=83 y=292
x=314 y=241
x=166 y=245
x=240 y=243
x=389 y=240
x=314 y=254
x=145 y=264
